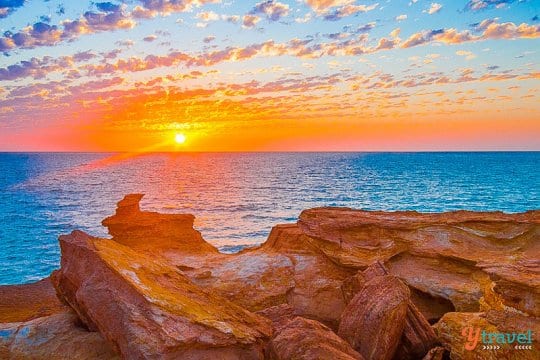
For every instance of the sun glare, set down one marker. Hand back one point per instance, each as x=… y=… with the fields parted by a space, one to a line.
x=180 y=138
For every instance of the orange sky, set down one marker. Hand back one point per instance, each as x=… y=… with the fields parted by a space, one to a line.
x=271 y=76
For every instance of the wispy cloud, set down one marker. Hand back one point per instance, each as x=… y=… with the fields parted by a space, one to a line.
x=434 y=8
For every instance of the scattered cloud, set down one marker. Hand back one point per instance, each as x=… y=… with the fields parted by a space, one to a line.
x=9 y=6
x=274 y=10
x=150 y=38
x=476 y=5
x=401 y=17
x=467 y=54
x=434 y=8
x=348 y=10
x=249 y=21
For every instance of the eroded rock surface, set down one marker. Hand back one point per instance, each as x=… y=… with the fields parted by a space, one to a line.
x=53 y=337
x=374 y=320
x=448 y=256
x=148 y=309
x=302 y=338
x=461 y=334
x=19 y=303
x=378 y=279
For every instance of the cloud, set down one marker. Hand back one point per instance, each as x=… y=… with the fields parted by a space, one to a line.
x=249 y=21
x=207 y=16
x=508 y=30
x=365 y=28
x=9 y=6
x=165 y=7
x=150 y=38
x=302 y=20
x=274 y=10
x=322 y=6
x=108 y=17
x=434 y=8
x=39 y=68
x=489 y=28
x=349 y=10
x=467 y=54
x=476 y=5
x=107 y=7
x=401 y=17
x=209 y=39
x=43 y=34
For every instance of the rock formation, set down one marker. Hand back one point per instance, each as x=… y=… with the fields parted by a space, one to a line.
x=55 y=337
x=146 y=308
x=341 y=283
x=19 y=303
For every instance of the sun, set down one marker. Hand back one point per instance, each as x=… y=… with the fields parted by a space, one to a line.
x=180 y=138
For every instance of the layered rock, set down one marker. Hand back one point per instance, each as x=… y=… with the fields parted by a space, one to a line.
x=302 y=338
x=374 y=320
x=447 y=259
x=54 y=337
x=157 y=289
x=147 y=309
x=466 y=335
x=145 y=230
x=19 y=303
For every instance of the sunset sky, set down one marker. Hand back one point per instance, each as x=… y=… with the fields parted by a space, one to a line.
x=299 y=75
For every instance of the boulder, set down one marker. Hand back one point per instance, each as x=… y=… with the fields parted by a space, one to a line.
x=465 y=335
x=437 y=353
x=418 y=336
x=146 y=308
x=157 y=289
x=55 y=337
x=302 y=338
x=374 y=320
x=20 y=303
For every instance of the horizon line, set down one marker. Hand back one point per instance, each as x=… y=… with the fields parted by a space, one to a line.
x=263 y=151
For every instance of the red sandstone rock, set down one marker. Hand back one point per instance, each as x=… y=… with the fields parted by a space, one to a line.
x=19 y=303
x=352 y=285
x=53 y=337
x=436 y=353
x=170 y=287
x=374 y=320
x=286 y=269
x=418 y=337
x=307 y=339
x=144 y=230
x=280 y=315
x=446 y=257
x=458 y=330
x=147 y=309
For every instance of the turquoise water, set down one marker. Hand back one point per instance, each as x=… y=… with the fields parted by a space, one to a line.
x=237 y=198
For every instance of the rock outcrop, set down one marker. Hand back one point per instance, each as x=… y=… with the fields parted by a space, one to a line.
x=145 y=230
x=341 y=283
x=457 y=254
x=147 y=309
x=54 y=337
x=466 y=336
x=20 y=303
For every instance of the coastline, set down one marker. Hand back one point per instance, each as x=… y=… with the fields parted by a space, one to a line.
x=157 y=281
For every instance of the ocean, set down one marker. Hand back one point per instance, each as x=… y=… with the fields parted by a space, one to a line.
x=238 y=197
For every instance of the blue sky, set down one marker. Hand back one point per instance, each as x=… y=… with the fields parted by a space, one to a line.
x=298 y=75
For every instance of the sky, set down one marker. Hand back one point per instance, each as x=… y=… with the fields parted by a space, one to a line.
x=299 y=75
